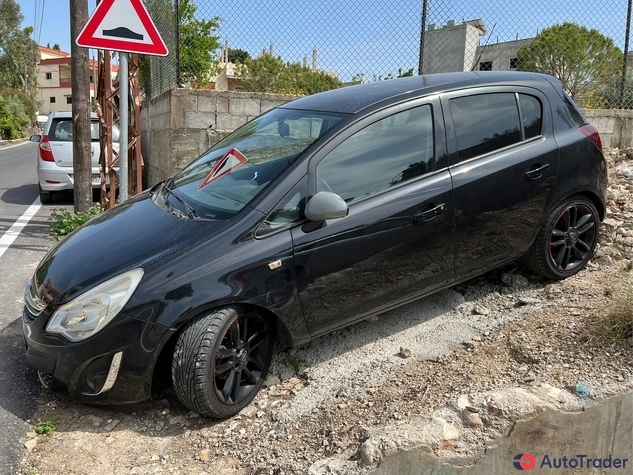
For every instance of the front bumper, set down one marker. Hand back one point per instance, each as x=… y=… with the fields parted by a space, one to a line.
x=114 y=367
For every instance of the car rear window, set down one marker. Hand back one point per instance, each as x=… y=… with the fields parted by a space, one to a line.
x=62 y=130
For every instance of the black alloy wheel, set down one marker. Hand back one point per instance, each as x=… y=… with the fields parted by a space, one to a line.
x=221 y=360
x=567 y=240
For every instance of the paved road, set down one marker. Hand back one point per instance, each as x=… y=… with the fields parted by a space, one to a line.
x=18 y=383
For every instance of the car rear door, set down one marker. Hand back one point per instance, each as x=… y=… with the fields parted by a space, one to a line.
x=396 y=243
x=504 y=161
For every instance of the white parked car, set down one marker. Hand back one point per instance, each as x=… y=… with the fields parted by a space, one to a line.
x=55 y=154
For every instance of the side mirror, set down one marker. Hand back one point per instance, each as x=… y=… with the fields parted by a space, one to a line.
x=35 y=138
x=326 y=205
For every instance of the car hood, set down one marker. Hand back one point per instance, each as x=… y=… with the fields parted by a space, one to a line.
x=134 y=234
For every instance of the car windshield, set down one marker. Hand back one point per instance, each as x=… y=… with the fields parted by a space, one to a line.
x=236 y=170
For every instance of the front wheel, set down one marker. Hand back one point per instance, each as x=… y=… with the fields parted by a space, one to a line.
x=221 y=359
x=567 y=240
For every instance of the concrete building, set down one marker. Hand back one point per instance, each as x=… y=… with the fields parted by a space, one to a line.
x=54 y=80
x=456 y=47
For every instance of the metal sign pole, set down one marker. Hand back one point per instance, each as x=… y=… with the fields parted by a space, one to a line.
x=124 y=82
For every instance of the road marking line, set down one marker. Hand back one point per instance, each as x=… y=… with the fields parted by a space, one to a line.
x=16 y=228
x=12 y=146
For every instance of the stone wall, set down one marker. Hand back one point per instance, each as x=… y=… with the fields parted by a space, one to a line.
x=615 y=126
x=179 y=125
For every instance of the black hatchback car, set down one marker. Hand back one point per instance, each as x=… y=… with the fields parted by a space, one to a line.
x=308 y=218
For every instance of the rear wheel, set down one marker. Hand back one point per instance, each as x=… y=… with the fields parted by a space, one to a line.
x=567 y=240
x=221 y=359
x=45 y=196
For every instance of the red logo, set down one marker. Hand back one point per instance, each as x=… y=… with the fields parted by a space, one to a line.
x=524 y=462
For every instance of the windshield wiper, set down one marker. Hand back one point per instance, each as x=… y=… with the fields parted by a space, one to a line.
x=191 y=213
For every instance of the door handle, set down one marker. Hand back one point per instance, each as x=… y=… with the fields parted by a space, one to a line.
x=537 y=172
x=429 y=214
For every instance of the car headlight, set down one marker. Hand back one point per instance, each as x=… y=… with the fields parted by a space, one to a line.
x=89 y=313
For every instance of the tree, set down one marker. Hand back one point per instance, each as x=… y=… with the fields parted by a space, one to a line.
x=18 y=52
x=238 y=56
x=577 y=56
x=198 y=45
x=611 y=95
x=268 y=73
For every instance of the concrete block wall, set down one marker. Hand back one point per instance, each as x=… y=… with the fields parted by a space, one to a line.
x=615 y=126
x=179 y=125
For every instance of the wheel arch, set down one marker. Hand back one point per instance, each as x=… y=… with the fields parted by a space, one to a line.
x=161 y=373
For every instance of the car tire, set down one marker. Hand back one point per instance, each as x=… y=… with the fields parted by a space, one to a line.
x=567 y=240
x=45 y=196
x=221 y=359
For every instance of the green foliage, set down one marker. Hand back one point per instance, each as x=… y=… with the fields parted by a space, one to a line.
x=11 y=126
x=65 y=222
x=296 y=363
x=18 y=52
x=47 y=427
x=238 y=56
x=27 y=102
x=577 y=56
x=359 y=78
x=270 y=74
x=610 y=95
x=198 y=45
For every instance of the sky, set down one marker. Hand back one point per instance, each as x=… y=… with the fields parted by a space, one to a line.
x=372 y=37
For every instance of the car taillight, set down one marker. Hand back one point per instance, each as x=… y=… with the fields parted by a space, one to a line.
x=46 y=153
x=591 y=132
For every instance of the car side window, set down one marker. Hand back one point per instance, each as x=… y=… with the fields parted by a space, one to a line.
x=386 y=153
x=485 y=123
x=531 y=115
x=287 y=213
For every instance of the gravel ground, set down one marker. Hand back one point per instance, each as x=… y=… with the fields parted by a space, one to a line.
x=367 y=385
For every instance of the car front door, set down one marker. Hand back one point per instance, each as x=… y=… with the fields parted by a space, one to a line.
x=396 y=242
x=503 y=163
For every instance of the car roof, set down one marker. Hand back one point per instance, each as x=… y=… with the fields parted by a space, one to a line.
x=68 y=115
x=353 y=99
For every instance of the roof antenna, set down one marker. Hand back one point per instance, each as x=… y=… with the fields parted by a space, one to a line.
x=482 y=49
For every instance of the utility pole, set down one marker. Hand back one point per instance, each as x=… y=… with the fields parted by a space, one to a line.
x=80 y=72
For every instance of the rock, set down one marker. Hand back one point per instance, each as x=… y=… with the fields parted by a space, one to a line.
x=111 y=425
x=204 y=455
x=449 y=432
x=272 y=380
x=480 y=310
x=610 y=222
x=405 y=352
x=463 y=401
x=515 y=280
x=30 y=444
x=372 y=319
x=249 y=411
x=472 y=419
x=369 y=453
x=492 y=406
x=528 y=301
x=332 y=467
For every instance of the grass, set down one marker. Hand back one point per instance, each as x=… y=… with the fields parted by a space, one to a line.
x=617 y=325
x=47 y=427
x=65 y=222
x=296 y=363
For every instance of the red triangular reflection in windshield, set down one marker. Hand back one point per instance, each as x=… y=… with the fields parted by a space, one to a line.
x=230 y=161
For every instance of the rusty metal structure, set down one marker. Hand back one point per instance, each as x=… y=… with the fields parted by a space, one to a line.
x=108 y=112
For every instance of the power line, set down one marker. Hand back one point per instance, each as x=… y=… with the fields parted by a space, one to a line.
x=41 y=21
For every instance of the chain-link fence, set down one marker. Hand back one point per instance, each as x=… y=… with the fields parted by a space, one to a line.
x=303 y=47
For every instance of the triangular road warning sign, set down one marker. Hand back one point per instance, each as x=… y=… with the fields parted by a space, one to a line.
x=122 y=25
